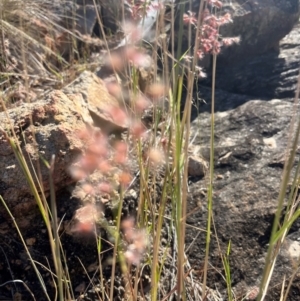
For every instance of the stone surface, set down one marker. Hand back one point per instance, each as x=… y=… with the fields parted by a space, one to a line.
x=100 y=104
x=261 y=24
x=270 y=75
x=250 y=146
x=254 y=107
x=197 y=166
x=55 y=121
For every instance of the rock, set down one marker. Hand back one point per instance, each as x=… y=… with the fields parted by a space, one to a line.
x=55 y=121
x=112 y=15
x=103 y=108
x=261 y=24
x=197 y=167
x=251 y=138
x=250 y=141
x=269 y=75
x=86 y=19
x=87 y=16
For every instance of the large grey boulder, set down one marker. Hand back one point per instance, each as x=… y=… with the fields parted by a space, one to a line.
x=250 y=147
x=268 y=75
x=251 y=136
x=261 y=24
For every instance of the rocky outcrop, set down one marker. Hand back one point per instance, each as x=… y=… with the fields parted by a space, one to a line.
x=261 y=24
x=251 y=137
x=48 y=127
x=250 y=149
x=269 y=75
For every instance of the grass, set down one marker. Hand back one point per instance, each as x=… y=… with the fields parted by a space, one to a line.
x=136 y=244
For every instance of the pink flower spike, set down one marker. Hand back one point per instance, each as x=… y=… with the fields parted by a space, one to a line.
x=157 y=5
x=88 y=188
x=230 y=41
x=137 y=242
x=105 y=188
x=215 y=3
x=190 y=18
x=199 y=72
x=78 y=173
x=141 y=104
x=226 y=19
x=125 y=178
x=85 y=218
x=137 y=129
x=120 y=152
x=118 y=115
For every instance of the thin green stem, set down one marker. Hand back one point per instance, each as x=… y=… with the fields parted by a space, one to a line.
x=211 y=176
x=58 y=267
x=274 y=240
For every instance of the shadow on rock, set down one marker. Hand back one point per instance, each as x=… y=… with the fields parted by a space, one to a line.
x=267 y=76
